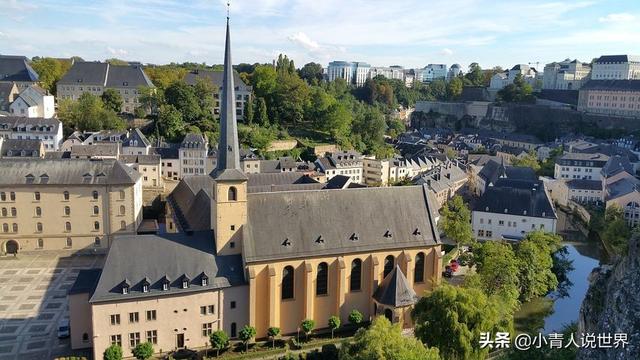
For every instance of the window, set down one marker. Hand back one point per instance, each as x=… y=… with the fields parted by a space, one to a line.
x=207 y=329
x=5 y=227
x=232 y=194
x=15 y=227
x=234 y=330
x=322 y=279
x=67 y=211
x=40 y=243
x=39 y=227
x=12 y=195
x=96 y=241
x=96 y=225
x=122 y=210
x=96 y=210
x=152 y=336
x=38 y=211
x=123 y=225
x=116 y=340
x=480 y=233
x=95 y=195
x=14 y=212
x=134 y=339
x=115 y=319
x=418 y=272
x=356 y=275
x=36 y=195
x=151 y=315
x=211 y=308
x=145 y=288
x=65 y=196
x=125 y=289
x=287 y=283
x=3 y=196
x=389 y=262
x=165 y=286
x=67 y=226
x=122 y=194
x=232 y=304
x=69 y=242
x=185 y=283
x=205 y=280
x=203 y=310
x=4 y=212
x=85 y=337
x=134 y=317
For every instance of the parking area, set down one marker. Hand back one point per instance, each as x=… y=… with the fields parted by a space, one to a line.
x=33 y=299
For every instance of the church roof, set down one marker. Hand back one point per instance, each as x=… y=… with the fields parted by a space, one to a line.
x=296 y=224
x=395 y=290
x=66 y=172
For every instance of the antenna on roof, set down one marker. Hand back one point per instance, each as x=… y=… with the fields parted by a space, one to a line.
x=228 y=5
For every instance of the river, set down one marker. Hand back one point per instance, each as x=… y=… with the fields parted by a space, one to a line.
x=552 y=313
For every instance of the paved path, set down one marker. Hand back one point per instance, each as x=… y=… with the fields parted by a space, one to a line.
x=33 y=298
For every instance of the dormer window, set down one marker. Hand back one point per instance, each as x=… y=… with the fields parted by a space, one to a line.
x=204 y=280
x=165 y=286
x=145 y=288
x=185 y=283
x=125 y=289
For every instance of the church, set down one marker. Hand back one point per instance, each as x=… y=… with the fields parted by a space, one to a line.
x=239 y=255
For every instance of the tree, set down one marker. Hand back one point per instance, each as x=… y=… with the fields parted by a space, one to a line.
x=383 y=340
x=264 y=80
x=248 y=112
x=534 y=254
x=452 y=318
x=311 y=73
x=261 y=116
x=88 y=113
x=475 y=75
x=150 y=99
x=183 y=98
x=169 y=123
x=163 y=76
x=518 y=91
x=355 y=317
x=219 y=341
x=454 y=88
x=438 y=89
x=273 y=332
x=395 y=128
x=456 y=221
x=113 y=352
x=112 y=99
x=246 y=334
x=334 y=323
x=616 y=232
x=307 y=326
x=143 y=351
x=528 y=160
x=50 y=71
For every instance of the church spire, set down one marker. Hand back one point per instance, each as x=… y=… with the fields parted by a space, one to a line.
x=228 y=148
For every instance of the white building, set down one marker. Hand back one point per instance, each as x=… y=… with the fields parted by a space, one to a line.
x=47 y=130
x=565 y=75
x=352 y=72
x=454 y=71
x=385 y=171
x=347 y=163
x=193 y=155
x=580 y=166
x=510 y=209
x=435 y=72
x=500 y=80
x=33 y=102
x=616 y=67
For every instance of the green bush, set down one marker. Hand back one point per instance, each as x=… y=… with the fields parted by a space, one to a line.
x=113 y=352
x=143 y=351
x=356 y=317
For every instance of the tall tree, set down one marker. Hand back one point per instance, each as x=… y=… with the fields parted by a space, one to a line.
x=112 y=100
x=534 y=254
x=452 y=318
x=88 y=113
x=170 y=124
x=456 y=221
x=49 y=71
x=183 y=97
x=518 y=91
x=383 y=340
x=528 y=160
x=475 y=75
x=454 y=88
x=438 y=89
x=311 y=73
x=248 y=112
x=261 y=117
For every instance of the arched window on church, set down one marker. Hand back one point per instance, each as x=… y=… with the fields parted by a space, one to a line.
x=322 y=279
x=388 y=265
x=233 y=194
x=418 y=272
x=356 y=275
x=287 y=283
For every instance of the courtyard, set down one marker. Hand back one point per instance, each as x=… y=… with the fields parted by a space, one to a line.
x=33 y=299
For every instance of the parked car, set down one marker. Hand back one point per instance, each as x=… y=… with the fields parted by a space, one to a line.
x=447 y=272
x=63 y=329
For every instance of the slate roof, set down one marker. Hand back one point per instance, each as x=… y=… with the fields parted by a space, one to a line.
x=338 y=182
x=137 y=139
x=32 y=124
x=127 y=76
x=85 y=282
x=101 y=149
x=140 y=159
x=16 y=68
x=520 y=173
x=517 y=197
x=191 y=202
x=352 y=220
x=608 y=59
x=104 y=74
x=622 y=187
x=215 y=78
x=615 y=85
x=584 y=184
x=395 y=290
x=166 y=152
x=491 y=171
x=616 y=164
x=66 y=172
x=30 y=146
x=277 y=178
x=172 y=256
x=193 y=141
x=8 y=91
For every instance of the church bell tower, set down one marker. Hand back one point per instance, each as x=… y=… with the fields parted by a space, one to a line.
x=229 y=203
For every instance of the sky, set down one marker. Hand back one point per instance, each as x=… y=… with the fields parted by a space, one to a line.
x=411 y=33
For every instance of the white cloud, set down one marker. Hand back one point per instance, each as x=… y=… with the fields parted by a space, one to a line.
x=304 y=40
x=446 y=52
x=617 y=18
x=118 y=52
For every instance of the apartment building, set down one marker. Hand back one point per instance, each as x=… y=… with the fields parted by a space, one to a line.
x=565 y=75
x=611 y=97
x=352 y=72
x=96 y=77
x=149 y=167
x=24 y=128
x=347 y=163
x=33 y=102
x=579 y=166
x=66 y=204
x=193 y=155
x=616 y=67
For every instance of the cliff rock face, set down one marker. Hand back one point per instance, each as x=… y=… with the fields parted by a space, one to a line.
x=612 y=305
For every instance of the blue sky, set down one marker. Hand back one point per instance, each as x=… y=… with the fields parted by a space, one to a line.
x=412 y=33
